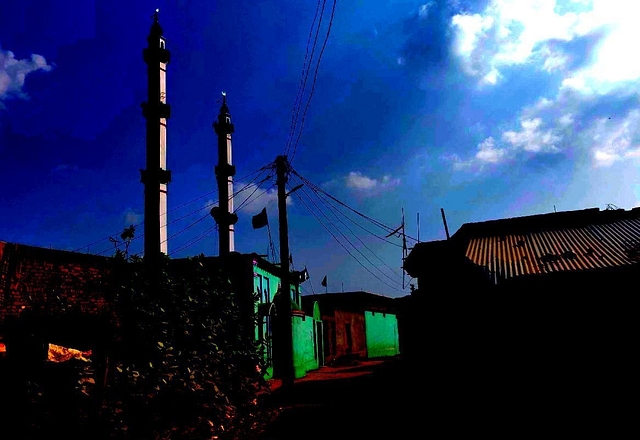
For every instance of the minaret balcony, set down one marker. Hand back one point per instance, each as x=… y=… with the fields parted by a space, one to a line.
x=223 y=127
x=156 y=55
x=163 y=176
x=225 y=170
x=163 y=110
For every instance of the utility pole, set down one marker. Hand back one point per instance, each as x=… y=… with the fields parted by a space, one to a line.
x=283 y=347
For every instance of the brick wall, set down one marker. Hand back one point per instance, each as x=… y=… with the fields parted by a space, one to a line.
x=29 y=274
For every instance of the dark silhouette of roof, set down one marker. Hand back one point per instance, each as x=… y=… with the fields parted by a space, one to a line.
x=357 y=301
x=588 y=239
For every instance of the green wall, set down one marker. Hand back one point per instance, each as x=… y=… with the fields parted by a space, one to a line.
x=305 y=354
x=382 y=334
x=265 y=284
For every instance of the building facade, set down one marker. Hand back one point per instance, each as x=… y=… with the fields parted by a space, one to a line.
x=358 y=325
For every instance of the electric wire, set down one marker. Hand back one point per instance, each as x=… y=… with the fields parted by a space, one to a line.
x=244 y=188
x=193 y=241
x=352 y=245
x=372 y=220
x=343 y=246
x=174 y=209
x=315 y=77
x=247 y=200
x=354 y=222
x=303 y=78
x=333 y=211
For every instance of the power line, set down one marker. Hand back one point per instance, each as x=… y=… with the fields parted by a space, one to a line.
x=315 y=77
x=303 y=78
x=333 y=211
x=194 y=240
x=343 y=246
x=185 y=229
x=354 y=222
x=246 y=201
x=374 y=221
x=172 y=210
x=244 y=188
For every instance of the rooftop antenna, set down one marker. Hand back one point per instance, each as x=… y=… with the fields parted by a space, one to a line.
x=404 y=246
x=444 y=220
x=554 y=208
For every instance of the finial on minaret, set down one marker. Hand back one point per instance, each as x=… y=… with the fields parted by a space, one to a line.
x=156 y=30
x=223 y=108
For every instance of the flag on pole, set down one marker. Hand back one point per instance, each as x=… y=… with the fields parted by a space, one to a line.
x=260 y=220
x=303 y=275
x=324 y=282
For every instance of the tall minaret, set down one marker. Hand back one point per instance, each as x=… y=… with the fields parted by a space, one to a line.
x=223 y=213
x=156 y=176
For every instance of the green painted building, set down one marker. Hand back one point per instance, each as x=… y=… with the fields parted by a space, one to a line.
x=381 y=331
x=306 y=329
x=256 y=282
x=357 y=325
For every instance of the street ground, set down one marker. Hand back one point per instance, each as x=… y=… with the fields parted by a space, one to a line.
x=389 y=400
x=367 y=400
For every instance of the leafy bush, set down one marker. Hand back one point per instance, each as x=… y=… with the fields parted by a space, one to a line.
x=186 y=362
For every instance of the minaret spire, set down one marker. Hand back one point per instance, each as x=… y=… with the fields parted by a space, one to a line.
x=157 y=112
x=223 y=213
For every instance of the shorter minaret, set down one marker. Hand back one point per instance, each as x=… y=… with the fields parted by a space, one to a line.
x=156 y=176
x=223 y=213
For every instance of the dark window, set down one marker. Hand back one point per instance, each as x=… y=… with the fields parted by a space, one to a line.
x=315 y=342
x=265 y=289
x=334 y=339
x=347 y=330
x=260 y=290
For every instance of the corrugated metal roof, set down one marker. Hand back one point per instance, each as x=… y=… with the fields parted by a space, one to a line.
x=598 y=246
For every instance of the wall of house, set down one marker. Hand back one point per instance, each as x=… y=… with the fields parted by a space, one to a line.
x=339 y=326
x=30 y=274
x=305 y=344
x=381 y=330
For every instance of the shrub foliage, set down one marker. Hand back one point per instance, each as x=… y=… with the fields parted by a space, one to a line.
x=185 y=363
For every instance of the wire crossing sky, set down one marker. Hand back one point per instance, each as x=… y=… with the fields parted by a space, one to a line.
x=489 y=109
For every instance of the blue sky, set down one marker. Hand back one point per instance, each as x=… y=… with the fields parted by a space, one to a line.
x=488 y=109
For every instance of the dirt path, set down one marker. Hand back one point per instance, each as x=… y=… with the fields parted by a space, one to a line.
x=368 y=400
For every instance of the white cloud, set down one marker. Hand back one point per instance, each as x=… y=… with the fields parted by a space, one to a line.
x=130 y=217
x=593 y=114
x=531 y=138
x=616 y=140
x=566 y=119
x=470 y=30
x=515 y=32
x=423 y=10
x=254 y=198
x=358 y=181
x=487 y=152
x=553 y=60
x=13 y=73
